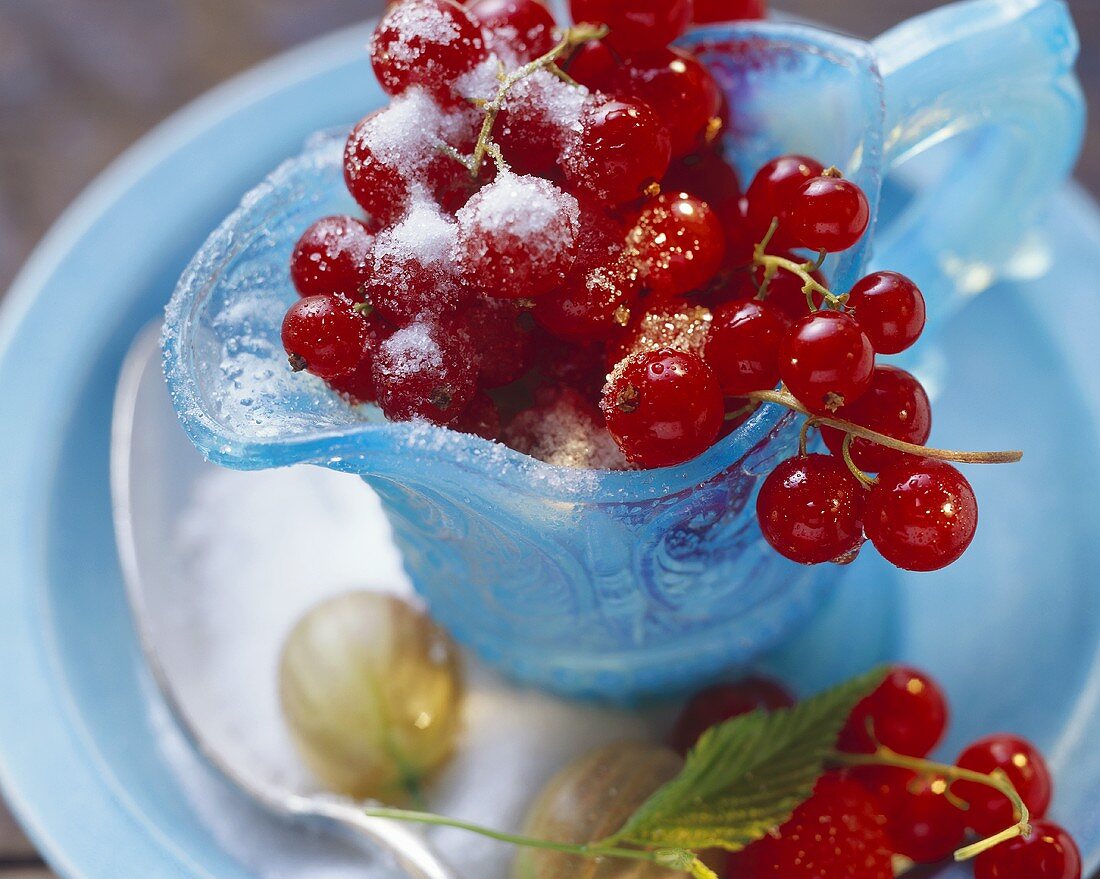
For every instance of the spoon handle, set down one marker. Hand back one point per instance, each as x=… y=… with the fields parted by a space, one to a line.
x=404 y=844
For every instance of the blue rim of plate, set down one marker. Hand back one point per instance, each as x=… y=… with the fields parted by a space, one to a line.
x=79 y=814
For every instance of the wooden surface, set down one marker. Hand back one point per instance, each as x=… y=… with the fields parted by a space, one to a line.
x=81 y=79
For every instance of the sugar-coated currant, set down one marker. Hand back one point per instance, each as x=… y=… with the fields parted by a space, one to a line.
x=743 y=346
x=594 y=304
x=828 y=213
x=663 y=407
x=622 y=147
x=896 y=405
x=426 y=370
x=426 y=43
x=680 y=90
x=680 y=324
x=921 y=515
x=723 y=702
x=826 y=361
x=708 y=11
x=907 y=713
x=810 y=509
x=679 y=244
x=890 y=308
x=1049 y=853
x=638 y=25
x=838 y=833
x=516 y=237
x=358 y=385
x=529 y=129
x=502 y=334
x=324 y=335
x=991 y=812
x=331 y=257
x=771 y=193
x=922 y=822
x=519 y=30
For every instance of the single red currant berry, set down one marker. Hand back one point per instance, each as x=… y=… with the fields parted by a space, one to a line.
x=516 y=237
x=991 y=812
x=519 y=30
x=324 y=334
x=679 y=244
x=771 y=193
x=502 y=334
x=826 y=361
x=594 y=304
x=426 y=43
x=828 y=213
x=331 y=257
x=621 y=149
x=921 y=515
x=1049 y=853
x=638 y=25
x=907 y=713
x=810 y=509
x=743 y=346
x=576 y=365
x=680 y=90
x=890 y=309
x=358 y=385
x=426 y=371
x=481 y=417
x=723 y=702
x=896 y=405
x=663 y=407
x=922 y=822
x=592 y=65
x=707 y=11
x=540 y=112
x=838 y=833
x=707 y=176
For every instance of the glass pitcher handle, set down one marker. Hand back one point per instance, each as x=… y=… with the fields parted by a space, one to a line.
x=1003 y=71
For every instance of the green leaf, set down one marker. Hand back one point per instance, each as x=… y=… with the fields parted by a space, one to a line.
x=746 y=776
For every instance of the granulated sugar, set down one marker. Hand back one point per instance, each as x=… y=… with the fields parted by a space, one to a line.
x=249 y=554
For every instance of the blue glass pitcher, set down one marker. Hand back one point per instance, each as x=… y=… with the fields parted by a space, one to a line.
x=622 y=585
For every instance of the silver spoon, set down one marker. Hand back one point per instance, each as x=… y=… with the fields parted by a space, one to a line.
x=139 y=380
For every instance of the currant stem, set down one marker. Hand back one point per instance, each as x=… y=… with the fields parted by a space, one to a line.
x=772 y=264
x=573 y=37
x=846 y=452
x=786 y=399
x=883 y=756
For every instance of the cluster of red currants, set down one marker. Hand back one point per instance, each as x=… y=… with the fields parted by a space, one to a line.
x=858 y=818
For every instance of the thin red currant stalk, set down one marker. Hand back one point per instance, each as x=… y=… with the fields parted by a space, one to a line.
x=997 y=780
x=786 y=399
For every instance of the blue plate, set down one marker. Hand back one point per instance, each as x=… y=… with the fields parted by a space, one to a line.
x=1012 y=630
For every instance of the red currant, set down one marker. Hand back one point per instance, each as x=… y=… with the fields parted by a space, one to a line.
x=577 y=365
x=539 y=114
x=907 y=713
x=724 y=702
x=743 y=346
x=591 y=305
x=324 y=335
x=921 y=515
x=680 y=90
x=707 y=176
x=707 y=11
x=771 y=193
x=1049 y=853
x=426 y=371
x=592 y=65
x=826 y=361
x=622 y=147
x=810 y=509
x=502 y=333
x=516 y=237
x=895 y=405
x=679 y=244
x=991 y=812
x=837 y=833
x=663 y=407
x=828 y=213
x=637 y=25
x=426 y=43
x=922 y=822
x=358 y=385
x=520 y=30
x=331 y=257
x=481 y=417
x=890 y=309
